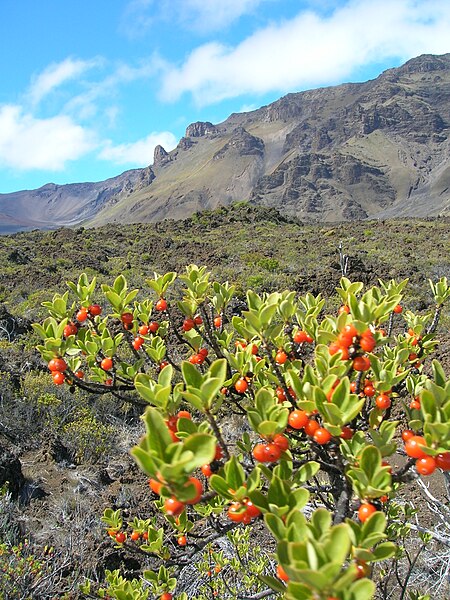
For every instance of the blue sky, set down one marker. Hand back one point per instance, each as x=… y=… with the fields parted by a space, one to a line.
x=89 y=87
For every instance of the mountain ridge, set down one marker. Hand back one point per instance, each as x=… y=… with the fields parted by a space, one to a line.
x=376 y=149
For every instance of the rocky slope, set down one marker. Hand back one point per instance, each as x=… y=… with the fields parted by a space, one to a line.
x=53 y=205
x=377 y=149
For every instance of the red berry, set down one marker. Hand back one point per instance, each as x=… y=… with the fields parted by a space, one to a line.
x=57 y=364
x=135 y=536
x=241 y=385
x=322 y=436
x=361 y=363
x=127 y=318
x=153 y=326
x=58 y=377
x=70 y=329
x=155 y=486
x=298 y=419
x=281 y=573
x=120 y=537
x=173 y=507
x=266 y=452
x=106 y=364
x=236 y=512
x=95 y=310
x=143 y=329
x=362 y=569
x=398 y=309
x=383 y=401
x=137 y=342
x=181 y=540
x=426 y=465
x=367 y=341
x=365 y=510
x=82 y=315
x=281 y=395
x=369 y=391
x=161 y=305
x=412 y=446
x=346 y=433
x=206 y=470
x=218 y=322
x=443 y=461
x=311 y=427
x=300 y=337
x=347 y=334
x=188 y=324
x=251 y=510
x=280 y=357
x=166 y=596
x=198 y=488
x=281 y=441
x=407 y=434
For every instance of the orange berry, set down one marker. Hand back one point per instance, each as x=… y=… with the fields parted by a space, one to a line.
x=241 y=385
x=173 y=507
x=365 y=510
x=322 y=436
x=280 y=357
x=106 y=364
x=281 y=441
x=383 y=402
x=361 y=363
x=412 y=446
x=161 y=305
x=426 y=465
x=281 y=573
x=407 y=434
x=206 y=470
x=58 y=377
x=298 y=419
x=443 y=461
x=346 y=433
x=311 y=427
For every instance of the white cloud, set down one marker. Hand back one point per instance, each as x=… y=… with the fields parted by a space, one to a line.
x=138 y=153
x=214 y=14
x=86 y=104
x=28 y=143
x=199 y=15
x=312 y=49
x=56 y=74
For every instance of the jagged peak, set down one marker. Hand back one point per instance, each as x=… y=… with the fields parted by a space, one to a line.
x=200 y=129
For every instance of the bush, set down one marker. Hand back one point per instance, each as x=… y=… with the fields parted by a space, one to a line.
x=338 y=412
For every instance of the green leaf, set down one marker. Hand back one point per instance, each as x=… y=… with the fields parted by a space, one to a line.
x=203 y=447
x=275 y=525
x=274 y=583
x=364 y=589
x=191 y=375
x=157 y=436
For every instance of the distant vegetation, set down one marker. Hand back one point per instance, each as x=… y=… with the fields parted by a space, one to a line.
x=248 y=245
